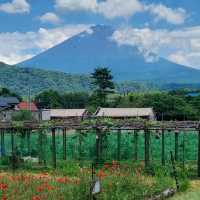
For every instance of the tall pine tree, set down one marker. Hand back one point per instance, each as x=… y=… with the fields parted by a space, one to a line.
x=102 y=80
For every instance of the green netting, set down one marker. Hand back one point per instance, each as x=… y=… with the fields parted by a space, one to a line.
x=83 y=146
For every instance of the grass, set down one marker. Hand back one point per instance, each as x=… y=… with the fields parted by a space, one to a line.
x=192 y=194
x=71 y=182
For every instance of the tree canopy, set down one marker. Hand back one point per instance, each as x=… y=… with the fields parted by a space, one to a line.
x=102 y=81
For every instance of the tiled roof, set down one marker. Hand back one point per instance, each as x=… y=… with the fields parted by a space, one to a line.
x=124 y=112
x=9 y=100
x=67 y=112
x=27 y=106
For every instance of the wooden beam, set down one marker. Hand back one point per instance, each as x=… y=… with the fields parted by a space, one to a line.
x=3 y=142
x=198 y=162
x=28 y=132
x=119 y=145
x=98 y=145
x=64 y=144
x=176 y=145
x=163 y=147
x=147 y=147
x=13 y=156
x=54 y=147
x=80 y=146
x=136 y=145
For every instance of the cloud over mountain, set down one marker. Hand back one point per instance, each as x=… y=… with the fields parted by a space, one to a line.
x=16 y=6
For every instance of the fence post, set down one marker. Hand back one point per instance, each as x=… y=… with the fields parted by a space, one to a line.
x=146 y=143
x=13 y=156
x=184 y=149
x=98 y=144
x=2 y=142
x=119 y=145
x=64 y=144
x=163 y=147
x=198 y=163
x=135 y=145
x=54 y=147
x=40 y=146
x=176 y=145
x=28 y=142
x=80 y=146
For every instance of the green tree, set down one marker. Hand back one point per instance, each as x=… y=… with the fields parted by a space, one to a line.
x=49 y=99
x=102 y=80
x=22 y=115
x=5 y=92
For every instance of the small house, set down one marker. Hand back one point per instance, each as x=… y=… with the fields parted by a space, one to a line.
x=121 y=113
x=7 y=106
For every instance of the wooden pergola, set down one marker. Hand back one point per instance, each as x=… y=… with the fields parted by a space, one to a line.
x=119 y=127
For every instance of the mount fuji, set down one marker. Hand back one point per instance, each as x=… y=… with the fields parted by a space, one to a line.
x=95 y=48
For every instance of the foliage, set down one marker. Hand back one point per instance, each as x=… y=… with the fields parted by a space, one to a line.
x=103 y=84
x=4 y=92
x=124 y=182
x=22 y=115
x=53 y=99
x=167 y=106
x=22 y=79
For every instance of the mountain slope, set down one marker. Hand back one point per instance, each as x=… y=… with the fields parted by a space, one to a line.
x=82 y=53
x=20 y=80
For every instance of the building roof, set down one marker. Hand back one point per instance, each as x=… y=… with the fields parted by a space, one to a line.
x=9 y=100
x=67 y=112
x=124 y=112
x=27 y=106
x=3 y=104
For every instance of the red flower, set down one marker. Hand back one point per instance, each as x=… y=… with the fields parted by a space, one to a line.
x=101 y=174
x=106 y=166
x=3 y=186
x=4 y=197
x=36 y=198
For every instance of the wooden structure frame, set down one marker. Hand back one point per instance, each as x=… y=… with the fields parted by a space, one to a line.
x=136 y=126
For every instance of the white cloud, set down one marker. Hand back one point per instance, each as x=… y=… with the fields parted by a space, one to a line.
x=119 y=8
x=181 y=46
x=162 y=12
x=20 y=46
x=50 y=17
x=16 y=6
x=124 y=8
x=109 y=8
x=76 y=5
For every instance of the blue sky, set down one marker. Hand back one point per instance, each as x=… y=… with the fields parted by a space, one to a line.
x=169 y=28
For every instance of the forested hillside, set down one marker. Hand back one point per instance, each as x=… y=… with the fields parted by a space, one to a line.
x=20 y=80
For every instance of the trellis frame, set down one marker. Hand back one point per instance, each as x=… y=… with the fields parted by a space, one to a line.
x=134 y=127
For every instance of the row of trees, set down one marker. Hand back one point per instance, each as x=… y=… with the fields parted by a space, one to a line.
x=173 y=105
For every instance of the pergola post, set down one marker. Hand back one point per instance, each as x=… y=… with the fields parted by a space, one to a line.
x=64 y=144
x=163 y=147
x=147 y=149
x=176 y=145
x=135 y=145
x=198 y=162
x=29 y=142
x=54 y=147
x=2 y=142
x=98 y=145
x=119 y=145
x=13 y=158
x=80 y=146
